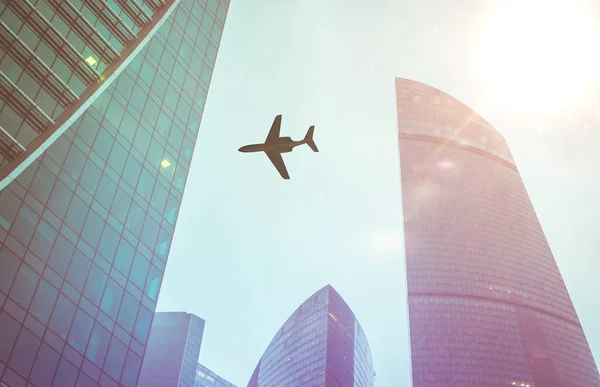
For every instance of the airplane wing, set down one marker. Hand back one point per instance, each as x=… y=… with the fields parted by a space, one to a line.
x=277 y=161
x=274 y=132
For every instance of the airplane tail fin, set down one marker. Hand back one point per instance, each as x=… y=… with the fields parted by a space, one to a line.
x=309 y=139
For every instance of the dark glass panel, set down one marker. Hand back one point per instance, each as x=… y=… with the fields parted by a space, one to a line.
x=24 y=286
x=24 y=352
x=112 y=299
x=65 y=375
x=61 y=255
x=98 y=345
x=43 y=302
x=9 y=264
x=62 y=316
x=80 y=331
x=95 y=285
x=44 y=367
x=115 y=359
x=127 y=312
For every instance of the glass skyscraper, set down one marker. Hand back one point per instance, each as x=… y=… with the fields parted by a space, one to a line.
x=100 y=107
x=207 y=378
x=487 y=304
x=173 y=349
x=321 y=344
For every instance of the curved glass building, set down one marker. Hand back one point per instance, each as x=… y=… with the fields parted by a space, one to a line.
x=321 y=344
x=487 y=304
x=100 y=107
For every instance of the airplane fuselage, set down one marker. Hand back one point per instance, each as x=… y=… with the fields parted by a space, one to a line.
x=281 y=145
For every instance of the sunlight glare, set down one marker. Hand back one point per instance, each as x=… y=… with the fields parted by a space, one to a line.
x=538 y=54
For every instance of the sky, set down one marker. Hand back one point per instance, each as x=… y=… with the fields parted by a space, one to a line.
x=250 y=247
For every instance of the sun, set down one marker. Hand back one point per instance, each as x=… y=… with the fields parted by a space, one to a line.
x=538 y=54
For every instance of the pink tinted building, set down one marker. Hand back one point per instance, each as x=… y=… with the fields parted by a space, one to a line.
x=487 y=304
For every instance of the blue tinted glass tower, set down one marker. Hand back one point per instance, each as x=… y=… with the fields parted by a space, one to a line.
x=100 y=105
x=321 y=344
x=487 y=304
x=172 y=351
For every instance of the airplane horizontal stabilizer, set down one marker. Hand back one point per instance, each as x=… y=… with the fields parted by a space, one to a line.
x=309 y=139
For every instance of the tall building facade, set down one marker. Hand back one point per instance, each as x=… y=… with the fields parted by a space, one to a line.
x=321 y=344
x=487 y=304
x=172 y=351
x=100 y=108
x=207 y=378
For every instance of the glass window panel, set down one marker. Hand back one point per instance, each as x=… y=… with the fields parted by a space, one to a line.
x=187 y=148
x=146 y=184
x=176 y=136
x=124 y=257
x=98 y=345
x=127 y=312
x=139 y=271
x=92 y=229
x=8 y=209
x=172 y=210
x=60 y=199
x=112 y=299
x=103 y=143
x=211 y=53
x=76 y=214
x=108 y=243
x=153 y=283
x=80 y=331
x=150 y=232
x=142 y=140
x=115 y=359
x=135 y=220
x=95 y=285
x=85 y=381
x=142 y=325
x=139 y=97
x=163 y=124
x=88 y=129
x=147 y=72
x=179 y=179
x=171 y=98
x=24 y=352
x=106 y=191
x=42 y=240
x=62 y=316
x=9 y=265
x=90 y=177
x=155 y=153
x=24 y=286
x=78 y=270
x=126 y=83
x=42 y=184
x=117 y=158
x=159 y=198
x=74 y=163
x=128 y=127
x=24 y=225
x=61 y=255
x=44 y=367
x=121 y=205
x=159 y=85
x=10 y=330
x=43 y=302
x=65 y=375
x=162 y=245
x=151 y=110
x=131 y=371
x=132 y=171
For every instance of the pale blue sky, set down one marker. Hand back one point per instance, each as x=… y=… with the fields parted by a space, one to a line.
x=250 y=247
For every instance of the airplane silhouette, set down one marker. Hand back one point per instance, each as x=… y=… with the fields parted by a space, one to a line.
x=275 y=145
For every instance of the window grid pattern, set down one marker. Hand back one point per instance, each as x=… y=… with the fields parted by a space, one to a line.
x=207 y=378
x=477 y=260
x=316 y=347
x=85 y=230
